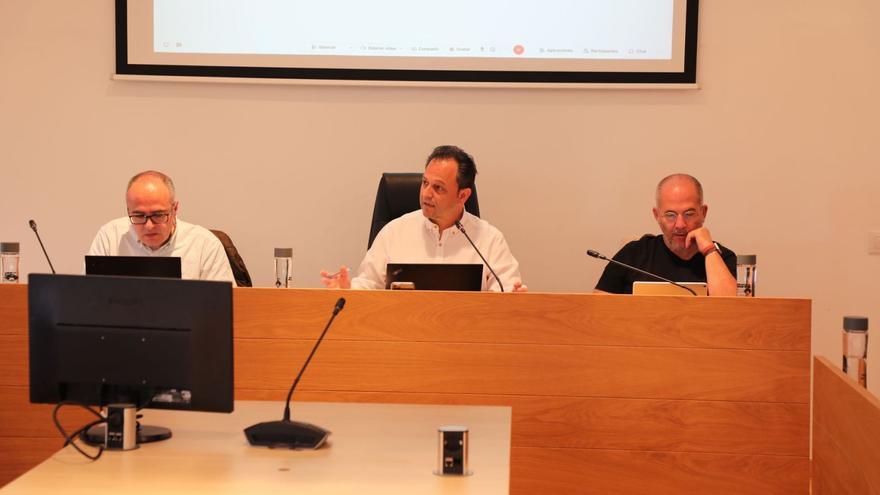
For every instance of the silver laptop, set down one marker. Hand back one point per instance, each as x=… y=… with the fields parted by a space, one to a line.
x=666 y=289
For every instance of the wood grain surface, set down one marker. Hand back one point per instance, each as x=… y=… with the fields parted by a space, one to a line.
x=518 y=369
x=565 y=319
x=597 y=472
x=846 y=434
x=610 y=394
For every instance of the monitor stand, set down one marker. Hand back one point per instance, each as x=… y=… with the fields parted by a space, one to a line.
x=145 y=434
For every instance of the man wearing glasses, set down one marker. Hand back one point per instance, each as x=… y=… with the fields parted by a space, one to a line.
x=684 y=253
x=152 y=229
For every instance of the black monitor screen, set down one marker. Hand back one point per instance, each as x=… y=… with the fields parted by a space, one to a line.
x=134 y=266
x=152 y=342
x=436 y=276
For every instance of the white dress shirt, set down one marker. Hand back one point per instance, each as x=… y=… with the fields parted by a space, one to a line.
x=412 y=238
x=201 y=254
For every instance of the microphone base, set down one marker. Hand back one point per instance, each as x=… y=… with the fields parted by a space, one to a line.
x=286 y=435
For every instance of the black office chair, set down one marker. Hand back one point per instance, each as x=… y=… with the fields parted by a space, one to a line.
x=239 y=270
x=398 y=194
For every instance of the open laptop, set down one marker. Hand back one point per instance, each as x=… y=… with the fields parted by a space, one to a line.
x=134 y=266
x=666 y=289
x=435 y=276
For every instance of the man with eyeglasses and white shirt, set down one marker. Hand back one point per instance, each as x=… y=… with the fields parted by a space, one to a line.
x=152 y=229
x=685 y=252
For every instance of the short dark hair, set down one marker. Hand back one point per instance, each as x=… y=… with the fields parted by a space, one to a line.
x=467 y=169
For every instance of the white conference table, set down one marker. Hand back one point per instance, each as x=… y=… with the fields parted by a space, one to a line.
x=374 y=448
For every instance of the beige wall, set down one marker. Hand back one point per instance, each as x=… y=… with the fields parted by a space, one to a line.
x=783 y=135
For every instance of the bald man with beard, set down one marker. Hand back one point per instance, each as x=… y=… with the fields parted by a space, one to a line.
x=685 y=252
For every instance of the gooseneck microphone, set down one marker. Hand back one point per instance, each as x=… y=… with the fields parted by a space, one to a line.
x=459 y=226
x=596 y=254
x=287 y=433
x=33 y=225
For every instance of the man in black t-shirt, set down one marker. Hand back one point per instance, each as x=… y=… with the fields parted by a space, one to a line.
x=684 y=253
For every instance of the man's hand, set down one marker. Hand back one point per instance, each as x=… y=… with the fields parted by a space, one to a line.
x=519 y=287
x=338 y=280
x=719 y=280
x=701 y=236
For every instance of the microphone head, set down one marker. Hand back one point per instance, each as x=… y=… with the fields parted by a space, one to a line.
x=33 y=225
x=594 y=254
x=339 y=305
x=458 y=226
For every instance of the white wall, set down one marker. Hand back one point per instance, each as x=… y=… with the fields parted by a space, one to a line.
x=782 y=134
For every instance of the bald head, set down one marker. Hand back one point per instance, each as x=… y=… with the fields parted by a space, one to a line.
x=679 y=211
x=680 y=183
x=154 y=180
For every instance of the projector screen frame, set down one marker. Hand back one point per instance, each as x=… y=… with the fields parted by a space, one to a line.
x=335 y=75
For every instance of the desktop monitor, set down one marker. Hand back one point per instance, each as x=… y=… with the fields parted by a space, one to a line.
x=435 y=276
x=134 y=266
x=151 y=342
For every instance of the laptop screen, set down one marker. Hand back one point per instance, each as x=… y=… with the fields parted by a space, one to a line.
x=436 y=276
x=134 y=266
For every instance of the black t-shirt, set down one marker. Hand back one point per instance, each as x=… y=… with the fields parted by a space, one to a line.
x=651 y=254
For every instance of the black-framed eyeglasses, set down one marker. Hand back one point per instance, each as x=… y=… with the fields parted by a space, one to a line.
x=157 y=217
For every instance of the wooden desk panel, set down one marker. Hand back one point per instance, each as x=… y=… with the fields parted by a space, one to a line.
x=564 y=319
x=22 y=419
x=660 y=392
x=14 y=359
x=846 y=432
x=520 y=369
x=13 y=309
x=620 y=424
x=656 y=473
x=23 y=453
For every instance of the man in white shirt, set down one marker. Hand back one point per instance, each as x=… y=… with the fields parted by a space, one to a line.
x=429 y=235
x=152 y=229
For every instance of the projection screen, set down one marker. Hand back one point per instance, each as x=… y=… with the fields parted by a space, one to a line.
x=490 y=41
